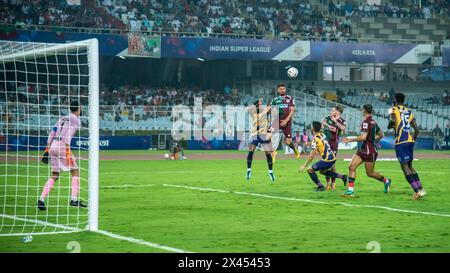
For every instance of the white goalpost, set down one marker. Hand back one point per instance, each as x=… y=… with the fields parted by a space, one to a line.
x=38 y=83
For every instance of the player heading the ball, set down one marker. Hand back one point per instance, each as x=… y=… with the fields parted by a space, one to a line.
x=286 y=106
x=61 y=158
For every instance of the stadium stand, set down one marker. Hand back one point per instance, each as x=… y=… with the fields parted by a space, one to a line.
x=316 y=19
x=149 y=108
x=130 y=107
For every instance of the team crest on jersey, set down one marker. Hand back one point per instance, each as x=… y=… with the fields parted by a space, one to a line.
x=288 y=100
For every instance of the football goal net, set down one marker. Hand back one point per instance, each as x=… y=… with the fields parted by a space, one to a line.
x=40 y=86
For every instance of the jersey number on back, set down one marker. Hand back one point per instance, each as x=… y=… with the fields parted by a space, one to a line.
x=405 y=119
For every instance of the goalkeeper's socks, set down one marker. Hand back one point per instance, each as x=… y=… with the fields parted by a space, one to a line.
x=47 y=188
x=75 y=187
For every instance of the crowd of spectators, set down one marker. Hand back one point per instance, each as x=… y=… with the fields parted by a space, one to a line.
x=50 y=95
x=446 y=98
x=395 y=8
x=23 y=13
x=253 y=17
x=166 y=96
x=388 y=97
x=42 y=95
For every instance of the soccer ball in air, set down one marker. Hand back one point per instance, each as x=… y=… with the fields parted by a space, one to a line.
x=292 y=72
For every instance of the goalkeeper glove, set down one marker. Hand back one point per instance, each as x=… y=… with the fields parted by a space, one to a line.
x=69 y=159
x=45 y=156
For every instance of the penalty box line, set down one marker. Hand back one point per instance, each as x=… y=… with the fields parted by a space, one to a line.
x=310 y=201
x=68 y=229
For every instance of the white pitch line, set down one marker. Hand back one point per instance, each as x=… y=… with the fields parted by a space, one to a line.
x=394 y=209
x=196 y=188
x=126 y=186
x=73 y=229
x=419 y=172
x=310 y=201
x=244 y=193
x=161 y=172
x=67 y=229
x=140 y=241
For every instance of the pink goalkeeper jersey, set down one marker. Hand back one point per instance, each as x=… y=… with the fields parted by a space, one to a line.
x=64 y=129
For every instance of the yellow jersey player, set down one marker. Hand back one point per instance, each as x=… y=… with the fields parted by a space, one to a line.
x=402 y=120
x=328 y=158
x=260 y=136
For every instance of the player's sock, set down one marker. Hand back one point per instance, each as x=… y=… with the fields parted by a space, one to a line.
x=269 y=161
x=327 y=178
x=47 y=188
x=333 y=175
x=75 y=188
x=383 y=179
x=292 y=146
x=351 y=183
x=315 y=179
x=249 y=159
x=417 y=179
x=412 y=181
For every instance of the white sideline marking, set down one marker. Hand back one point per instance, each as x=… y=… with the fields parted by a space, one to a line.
x=214 y=172
x=73 y=229
x=162 y=172
x=140 y=242
x=125 y=186
x=419 y=172
x=309 y=201
x=245 y=193
x=394 y=209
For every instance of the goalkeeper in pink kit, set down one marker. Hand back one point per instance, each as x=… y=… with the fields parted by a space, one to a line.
x=61 y=158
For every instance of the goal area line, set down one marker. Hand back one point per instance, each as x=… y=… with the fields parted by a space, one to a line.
x=74 y=230
x=66 y=229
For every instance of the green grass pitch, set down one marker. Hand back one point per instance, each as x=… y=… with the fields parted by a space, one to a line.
x=143 y=200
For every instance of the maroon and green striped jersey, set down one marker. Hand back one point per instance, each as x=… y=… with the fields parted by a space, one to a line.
x=370 y=126
x=284 y=104
x=334 y=133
